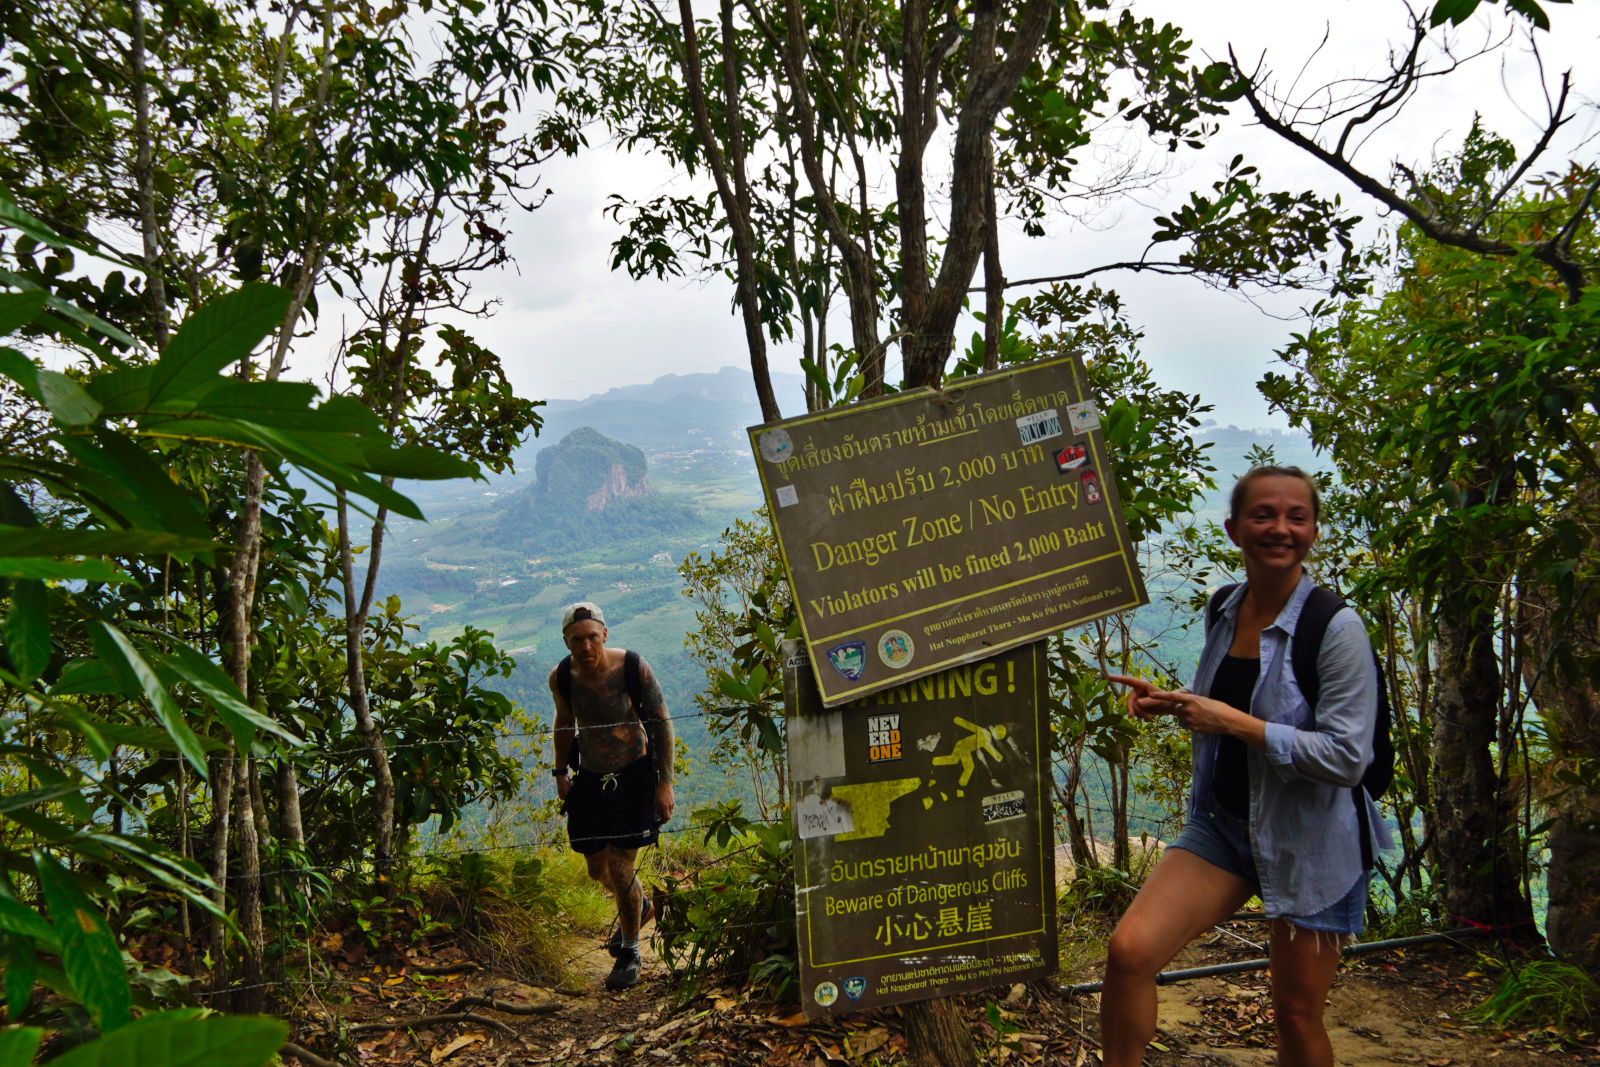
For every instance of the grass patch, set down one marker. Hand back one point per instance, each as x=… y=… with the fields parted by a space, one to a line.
x=531 y=914
x=1541 y=993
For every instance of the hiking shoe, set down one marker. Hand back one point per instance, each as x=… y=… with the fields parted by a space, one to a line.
x=647 y=911
x=625 y=972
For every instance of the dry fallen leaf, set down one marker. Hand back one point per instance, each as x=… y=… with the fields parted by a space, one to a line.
x=444 y=1052
x=797 y=1019
x=868 y=1042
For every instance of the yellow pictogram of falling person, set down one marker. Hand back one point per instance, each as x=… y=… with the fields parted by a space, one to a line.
x=966 y=749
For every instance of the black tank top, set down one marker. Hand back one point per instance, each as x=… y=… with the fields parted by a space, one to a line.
x=1234 y=683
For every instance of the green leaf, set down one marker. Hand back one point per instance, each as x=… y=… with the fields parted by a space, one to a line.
x=10 y=802
x=55 y=541
x=19 y=308
x=67 y=400
x=219 y=334
x=734 y=688
x=22 y=921
x=89 y=952
x=83 y=570
x=184 y=1038
x=283 y=404
x=18 y=1046
x=27 y=629
x=123 y=656
x=418 y=461
x=212 y=682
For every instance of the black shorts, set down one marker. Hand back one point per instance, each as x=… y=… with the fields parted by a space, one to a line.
x=613 y=809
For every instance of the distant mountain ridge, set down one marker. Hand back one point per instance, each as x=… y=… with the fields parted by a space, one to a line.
x=674 y=413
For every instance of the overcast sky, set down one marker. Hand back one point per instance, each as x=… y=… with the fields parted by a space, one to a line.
x=569 y=327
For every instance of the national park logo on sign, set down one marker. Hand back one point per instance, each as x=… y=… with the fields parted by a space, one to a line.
x=827 y=993
x=849 y=659
x=895 y=649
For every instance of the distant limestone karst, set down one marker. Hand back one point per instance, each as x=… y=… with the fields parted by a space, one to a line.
x=587 y=471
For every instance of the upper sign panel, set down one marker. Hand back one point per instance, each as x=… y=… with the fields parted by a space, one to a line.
x=936 y=528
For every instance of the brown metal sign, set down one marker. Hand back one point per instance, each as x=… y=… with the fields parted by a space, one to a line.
x=922 y=834
x=936 y=528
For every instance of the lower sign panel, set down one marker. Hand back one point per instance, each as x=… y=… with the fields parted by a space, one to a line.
x=923 y=835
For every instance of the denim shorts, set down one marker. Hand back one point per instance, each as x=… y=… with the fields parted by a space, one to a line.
x=1222 y=839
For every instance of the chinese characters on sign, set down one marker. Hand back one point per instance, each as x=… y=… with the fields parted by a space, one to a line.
x=923 y=832
x=937 y=528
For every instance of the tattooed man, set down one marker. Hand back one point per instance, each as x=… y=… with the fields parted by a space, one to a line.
x=612 y=724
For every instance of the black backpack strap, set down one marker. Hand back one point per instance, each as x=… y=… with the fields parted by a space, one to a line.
x=1315 y=615
x=632 y=678
x=564 y=687
x=564 y=679
x=1214 y=605
x=1319 y=609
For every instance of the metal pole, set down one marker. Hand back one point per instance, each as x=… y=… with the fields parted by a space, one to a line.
x=1362 y=949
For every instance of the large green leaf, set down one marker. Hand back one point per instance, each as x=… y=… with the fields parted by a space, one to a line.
x=347 y=414
x=190 y=665
x=82 y=570
x=68 y=402
x=10 y=802
x=22 y=370
x=27 y=628
x=123 y=391
x=83 y=675
x=18 y=1046
x=219 y=334
x=179 y=875
x=420 y=462
x=22 y=964
x=89 y=952
x=286 y=404
x=55 y=541
x=130 y=486
x=335 y=457
x=17 y=918
x=124 y=656
x=184 y=1038
x=18 y=308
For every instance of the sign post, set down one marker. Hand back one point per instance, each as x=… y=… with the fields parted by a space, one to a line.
x=923 y=834
x=932 y=529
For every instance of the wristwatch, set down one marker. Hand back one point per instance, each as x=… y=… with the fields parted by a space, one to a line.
x=558 y=772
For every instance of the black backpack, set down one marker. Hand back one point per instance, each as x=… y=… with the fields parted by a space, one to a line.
x=1320 y=608
x=630 y=678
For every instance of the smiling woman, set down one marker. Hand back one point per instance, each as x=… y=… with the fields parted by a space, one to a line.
x=1267 y=765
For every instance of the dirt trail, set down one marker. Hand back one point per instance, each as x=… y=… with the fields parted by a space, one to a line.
x=1390 y=1008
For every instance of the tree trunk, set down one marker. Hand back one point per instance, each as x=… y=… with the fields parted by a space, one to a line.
x=1570 y=706
x=1478 y=846
x=732 y=188
x=293 y=826
x=144 y=180
x=936 y=1036
x=994 y=279
x=383 y=780
x=251 y=996
x=221 y=808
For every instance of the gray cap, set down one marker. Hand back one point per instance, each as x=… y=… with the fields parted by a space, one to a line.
x=580 y=611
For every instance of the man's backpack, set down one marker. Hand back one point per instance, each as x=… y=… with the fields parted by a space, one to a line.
x=631 y=678
x=1320 y=608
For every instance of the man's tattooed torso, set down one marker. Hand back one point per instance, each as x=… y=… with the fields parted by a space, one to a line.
x=610 y=735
